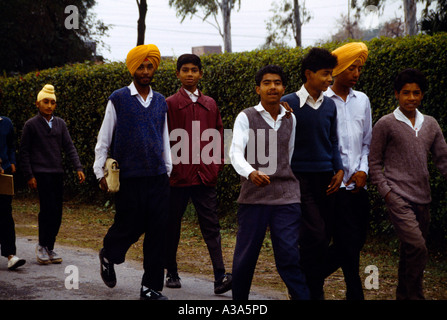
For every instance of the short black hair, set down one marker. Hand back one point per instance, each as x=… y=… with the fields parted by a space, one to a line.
x=317 y=59
x=410 y=76
x=189 y=58
x=271 y=68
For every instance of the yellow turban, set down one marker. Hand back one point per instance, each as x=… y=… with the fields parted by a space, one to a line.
x=348 y=54
x=139 y=54
x=46 y=92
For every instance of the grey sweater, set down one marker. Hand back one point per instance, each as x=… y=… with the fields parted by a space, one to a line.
x=41 y=147
x=284 y=188
x=398 y=159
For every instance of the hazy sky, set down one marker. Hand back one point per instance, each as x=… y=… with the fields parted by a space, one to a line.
x=174 y=38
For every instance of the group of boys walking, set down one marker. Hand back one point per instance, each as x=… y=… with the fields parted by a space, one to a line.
x=315 y=202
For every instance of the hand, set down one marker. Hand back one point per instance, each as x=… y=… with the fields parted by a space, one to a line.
x=259 y=178
x=289 y=110
x=335 y=183
x=81 y=176
x=13 y=168
x=359 y=178
x=32 y=183
x=103 y=184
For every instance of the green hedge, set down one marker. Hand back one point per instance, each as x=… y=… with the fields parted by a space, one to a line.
x=83 y=89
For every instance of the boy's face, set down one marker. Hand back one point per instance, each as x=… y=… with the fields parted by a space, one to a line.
x=320 y=80
x=144 y=74
x=189 y=75
x=46 y=107
x=351 y=75
x=271 y=89
x=409 y=97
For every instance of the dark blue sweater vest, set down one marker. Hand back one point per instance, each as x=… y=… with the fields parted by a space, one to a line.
x=316 y=142
x=138 y=138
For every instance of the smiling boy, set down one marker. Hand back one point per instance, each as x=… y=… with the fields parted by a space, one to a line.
x=398 y=161
x=316 y=162
x=194 y=179
x=267 y=200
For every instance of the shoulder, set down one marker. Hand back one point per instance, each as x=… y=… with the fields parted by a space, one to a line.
x=158 y=96
x=119 y=92
x=291 y=97
x=5 y=121
x=385 y=122
x=431 y=121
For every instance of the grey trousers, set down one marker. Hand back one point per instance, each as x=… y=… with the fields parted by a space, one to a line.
x=411 y=223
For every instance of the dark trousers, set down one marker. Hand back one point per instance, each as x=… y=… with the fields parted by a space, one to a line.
x=351 y=222
x=205 y=202
x=7 y=226
x=50 y=187
x=141 y=208
x=411 y=223
x=316 y=229
x=284 y=224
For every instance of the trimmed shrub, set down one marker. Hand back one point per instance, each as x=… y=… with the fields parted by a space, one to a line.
x=83 y=89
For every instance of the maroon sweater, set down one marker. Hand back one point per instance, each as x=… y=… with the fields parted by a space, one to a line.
x=182 y=112
x=398 y=159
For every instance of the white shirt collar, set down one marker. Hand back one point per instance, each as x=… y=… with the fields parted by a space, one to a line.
x=305 y=97
x=134 y=91
x=419 y=119
x=330 y=93
x=194 y=96
x=261 y=109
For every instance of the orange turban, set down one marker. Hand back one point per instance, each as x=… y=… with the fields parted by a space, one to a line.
x=139 y=54
x=348 y=54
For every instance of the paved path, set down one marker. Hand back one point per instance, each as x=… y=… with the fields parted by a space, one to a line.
x=49 y=282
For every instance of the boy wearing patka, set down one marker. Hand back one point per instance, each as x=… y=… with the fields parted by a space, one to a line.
x=44 y=138
x=270 y=193
x=135 y=130
x=398 y=161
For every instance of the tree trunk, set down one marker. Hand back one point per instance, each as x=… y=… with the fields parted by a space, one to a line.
x=297 y=20
x=410 y=17
x=226 y=13
x=142 y=9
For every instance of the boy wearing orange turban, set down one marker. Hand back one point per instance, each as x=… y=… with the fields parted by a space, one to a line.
x=135 y=131
x=354 y=129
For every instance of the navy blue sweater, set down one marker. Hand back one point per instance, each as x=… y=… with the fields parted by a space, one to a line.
x=7 y=145
x=138 y=138
x=316 y=142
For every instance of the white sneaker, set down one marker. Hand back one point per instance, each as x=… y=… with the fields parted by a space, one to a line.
x=15 y=262
x=54 y=257
x=42 y=255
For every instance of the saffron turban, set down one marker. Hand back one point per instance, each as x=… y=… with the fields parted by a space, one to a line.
x=139 y=54
x=348 y=54
x=47 y=92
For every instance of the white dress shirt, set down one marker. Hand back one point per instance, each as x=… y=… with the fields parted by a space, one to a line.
x=105 y=134
x=305 y=97
x=241 y=135
x=419 y=120
x=354 y=128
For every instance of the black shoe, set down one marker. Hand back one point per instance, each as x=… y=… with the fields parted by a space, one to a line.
x=107 y=270
x=224 y=284
x=149 y=294
x=173 y=280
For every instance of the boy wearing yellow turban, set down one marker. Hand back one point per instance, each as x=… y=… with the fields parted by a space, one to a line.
x=354 y=128
x=44 y=137
x=135 y=131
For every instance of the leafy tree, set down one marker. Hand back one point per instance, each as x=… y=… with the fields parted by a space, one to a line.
x=434 y=21
x=35 y=35
x=288 y=17
x=211 y=8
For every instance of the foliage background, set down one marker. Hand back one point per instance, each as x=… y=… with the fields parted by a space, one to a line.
x=83 y=90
